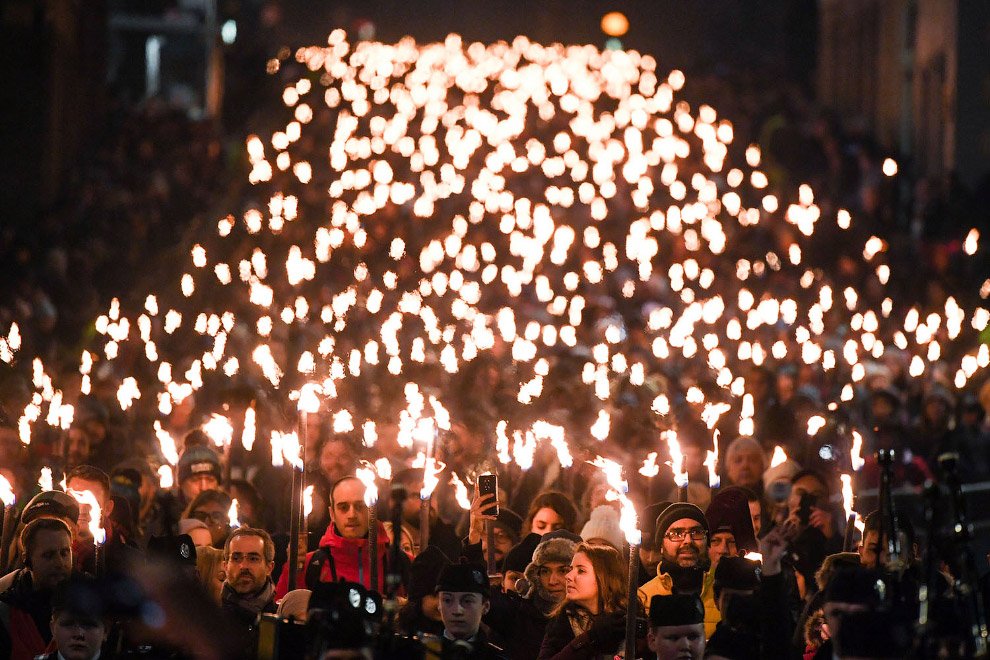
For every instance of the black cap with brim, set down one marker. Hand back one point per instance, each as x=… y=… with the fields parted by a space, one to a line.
x=676 y=610
x=176 y=549
x=737 y=573
x=464 y=577
x=51 y=504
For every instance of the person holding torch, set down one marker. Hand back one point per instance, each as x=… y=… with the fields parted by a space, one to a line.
x=343 y=551
x=682 y=533
x=591 y=620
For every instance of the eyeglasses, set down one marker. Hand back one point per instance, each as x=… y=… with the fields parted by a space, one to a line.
x=210 y=517
x=677 y=535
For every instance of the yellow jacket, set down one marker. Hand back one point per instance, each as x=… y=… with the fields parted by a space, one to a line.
x=662 y=585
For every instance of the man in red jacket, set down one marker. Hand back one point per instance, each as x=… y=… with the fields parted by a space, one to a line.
x=343 y=552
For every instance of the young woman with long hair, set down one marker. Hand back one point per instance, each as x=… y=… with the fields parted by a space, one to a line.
x=591 y=620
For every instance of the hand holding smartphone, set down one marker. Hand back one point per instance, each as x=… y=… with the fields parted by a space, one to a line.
x=488 y=485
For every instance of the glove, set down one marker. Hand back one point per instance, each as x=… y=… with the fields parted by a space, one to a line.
x=608 y=630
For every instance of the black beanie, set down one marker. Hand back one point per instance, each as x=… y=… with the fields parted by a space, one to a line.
x=425 y=570
x=861 y=586
x=736 y=573
x=729 y=512
x=678 y=511
x=510 y=522
x=521 y=554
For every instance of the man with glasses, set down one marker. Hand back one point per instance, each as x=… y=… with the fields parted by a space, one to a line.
x=248 y=560
x=682 y=535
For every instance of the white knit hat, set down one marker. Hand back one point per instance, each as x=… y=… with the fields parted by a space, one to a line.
x=604 y=524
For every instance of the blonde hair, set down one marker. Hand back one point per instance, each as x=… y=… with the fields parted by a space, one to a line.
x=209 y=562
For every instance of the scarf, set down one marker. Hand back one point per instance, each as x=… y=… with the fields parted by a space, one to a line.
x=685 y=579
x=254 y=603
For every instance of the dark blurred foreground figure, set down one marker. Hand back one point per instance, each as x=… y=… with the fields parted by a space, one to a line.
x=80 y=623
x=25 y=608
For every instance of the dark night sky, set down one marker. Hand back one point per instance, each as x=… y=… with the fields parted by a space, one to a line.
x=678 y=31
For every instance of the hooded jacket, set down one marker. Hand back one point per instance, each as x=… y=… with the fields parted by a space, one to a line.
x=347 y=561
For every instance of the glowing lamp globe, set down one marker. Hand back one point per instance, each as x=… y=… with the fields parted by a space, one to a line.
x=615 y=24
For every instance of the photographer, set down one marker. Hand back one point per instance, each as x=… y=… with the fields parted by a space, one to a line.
x=818 y=536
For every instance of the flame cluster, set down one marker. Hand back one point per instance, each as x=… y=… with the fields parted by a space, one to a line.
x=465 y=200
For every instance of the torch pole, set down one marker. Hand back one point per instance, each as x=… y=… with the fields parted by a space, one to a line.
x=632 y=602
x=6 y=535
x=424 y=522
x=682 y=493
x=847 y=541
x=295 y=507
x=490 y=554
x=100 y=559
x=373 y=546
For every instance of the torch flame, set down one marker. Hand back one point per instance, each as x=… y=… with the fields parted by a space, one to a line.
x=711 y=462
x=847 y=494
x=650 y=468
x=440 y=413
x=45 y=482
x=309 y=401
x=779 y=456
x=676 y=461
x=431 y=471
x=6 y=492
x=367 y=476
x=754 y=556
x=460 y=492
x=285 y=447
x=857 y=460
x=219 y=430
x=165 y=479
x=618 y=487
x=95 y=514
x=502 y=443
x=233 y=513
x=250 y=428
x=167 y=444
x=308 y=501
x=384 y=469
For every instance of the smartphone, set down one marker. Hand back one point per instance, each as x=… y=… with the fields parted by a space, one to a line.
x=804 y=507
x=488 y=485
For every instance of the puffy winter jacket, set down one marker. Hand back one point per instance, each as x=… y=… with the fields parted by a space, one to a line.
x=347 y=561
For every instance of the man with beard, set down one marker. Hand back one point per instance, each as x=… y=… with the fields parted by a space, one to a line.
x=25 y=608
x=682 y=534
x=248 y=560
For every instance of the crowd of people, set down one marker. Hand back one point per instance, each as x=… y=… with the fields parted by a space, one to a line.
x=546 y=576
x=751 y=575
